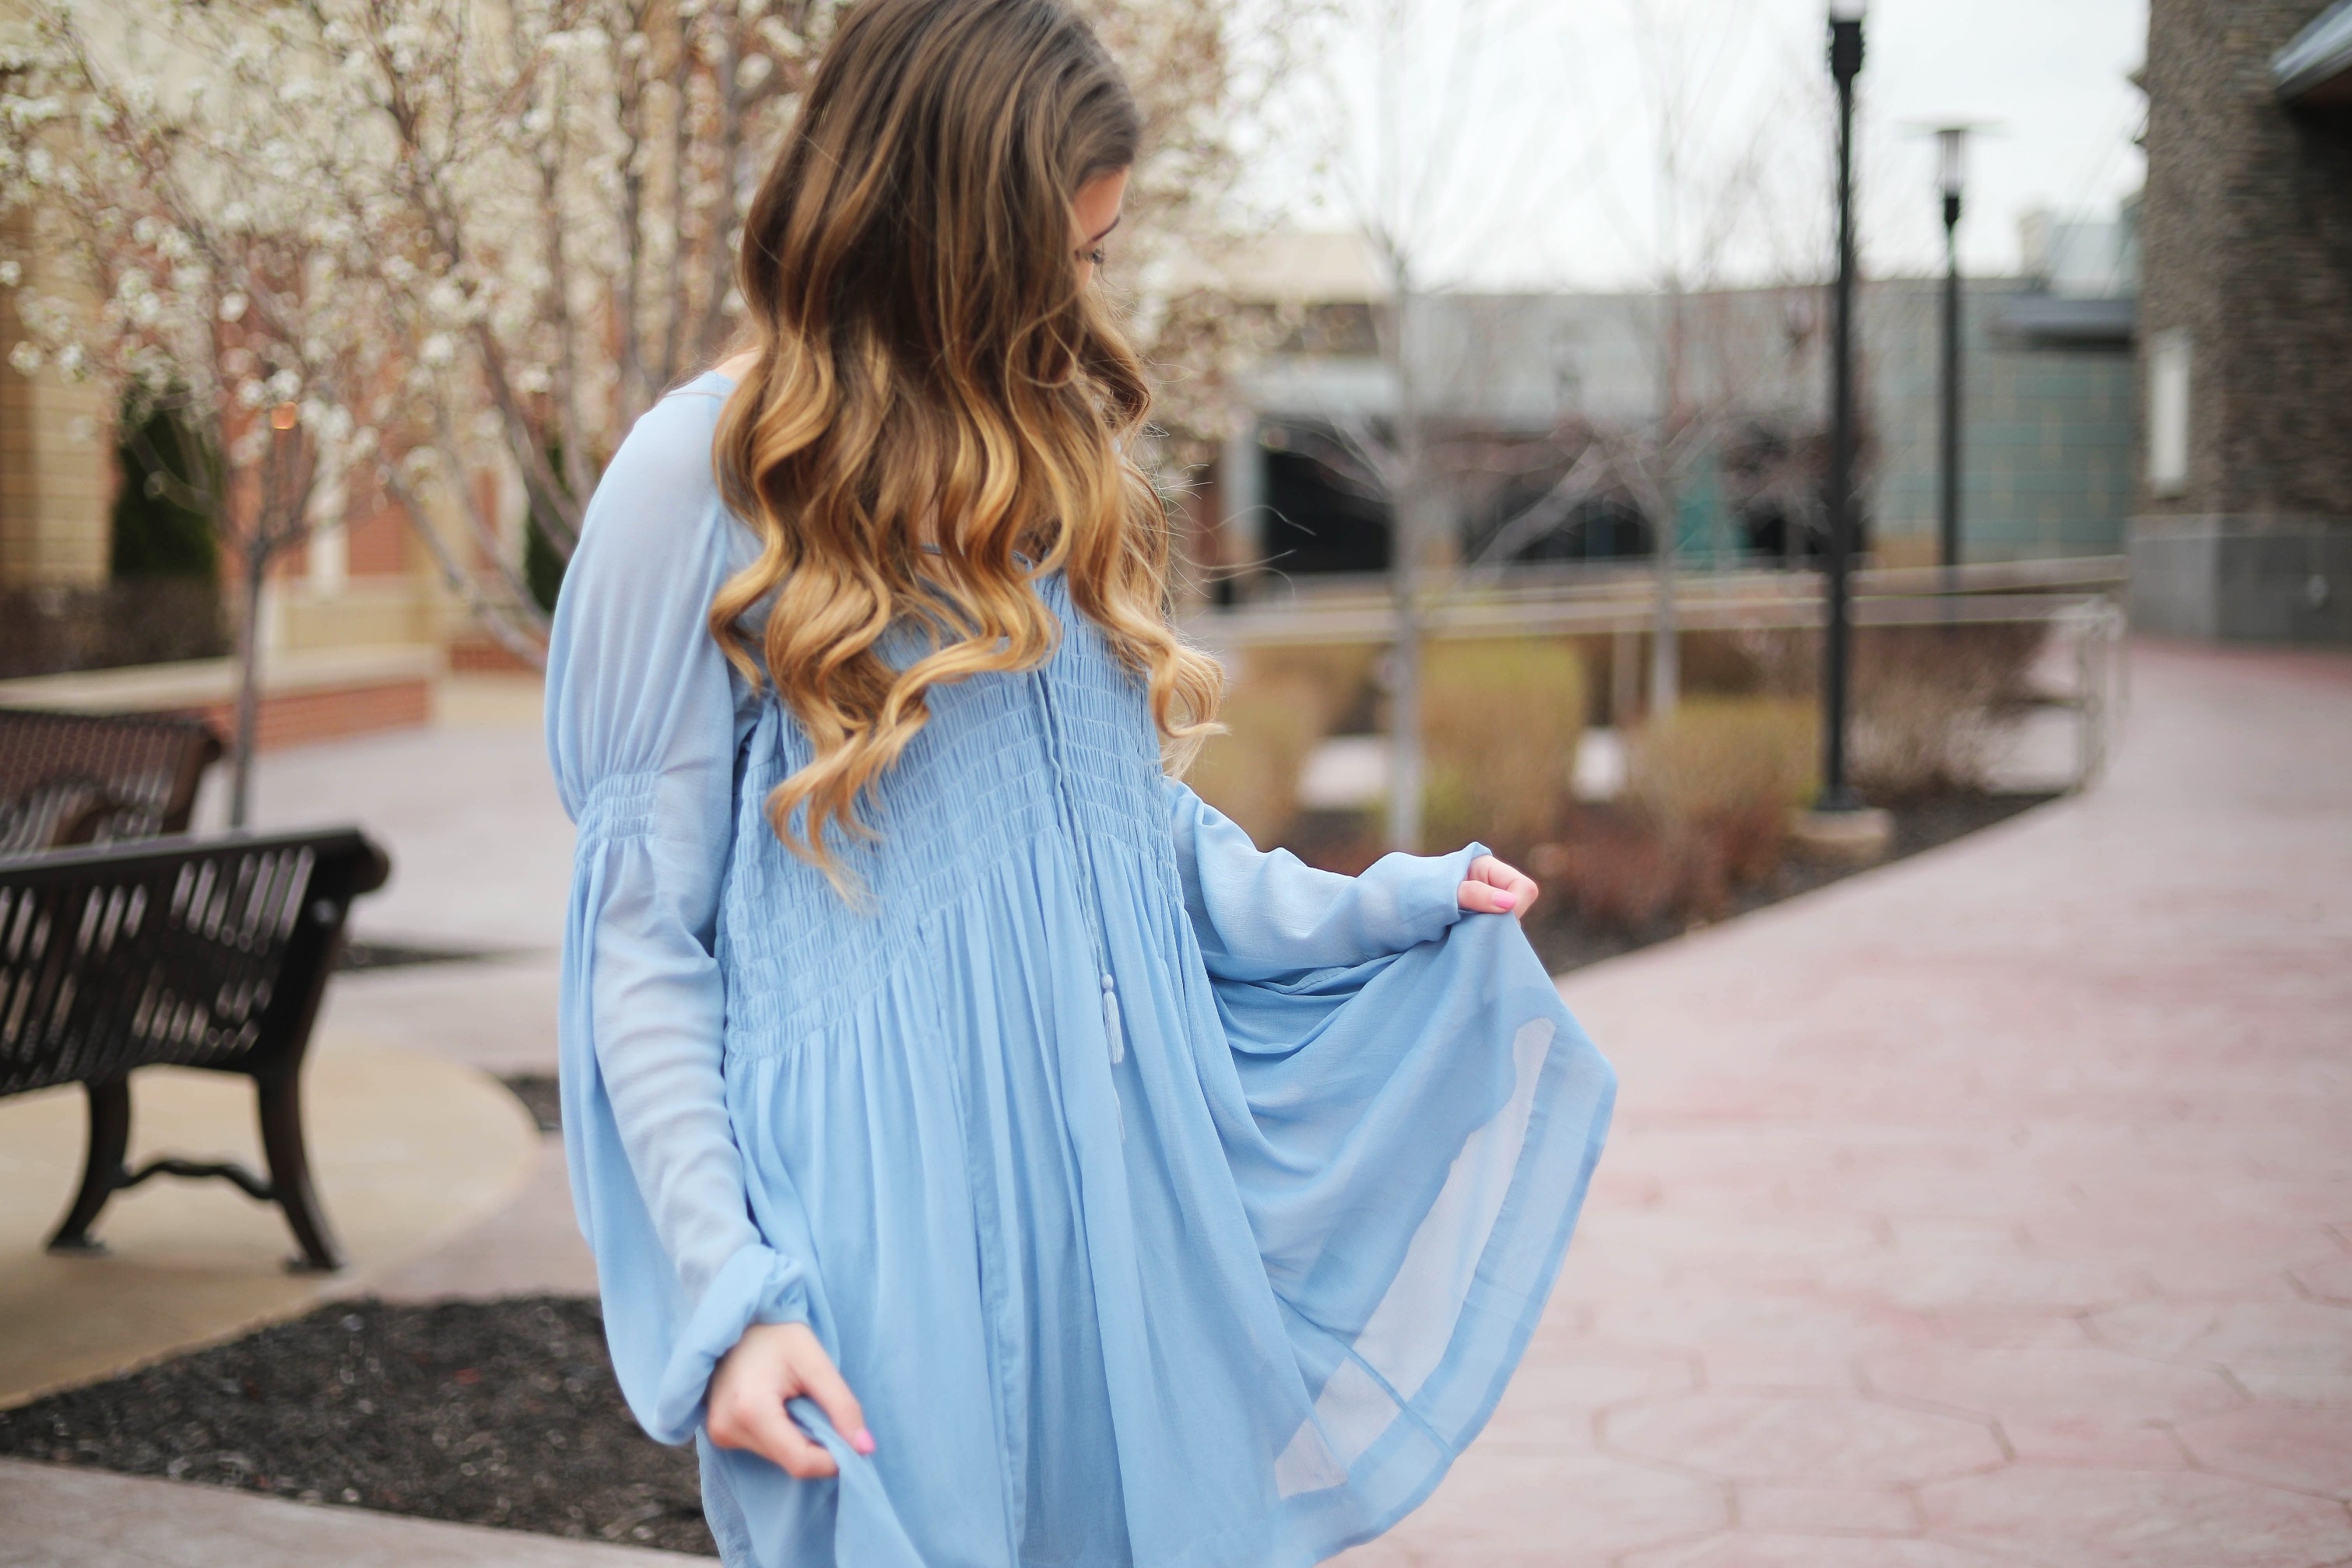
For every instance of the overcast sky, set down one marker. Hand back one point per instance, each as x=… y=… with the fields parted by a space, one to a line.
x=1534 y=142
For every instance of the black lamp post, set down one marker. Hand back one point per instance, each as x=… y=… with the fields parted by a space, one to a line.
x=1951 y=149
x=1845 y=64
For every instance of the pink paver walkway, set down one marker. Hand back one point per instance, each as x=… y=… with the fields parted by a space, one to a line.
x=1993 y=1207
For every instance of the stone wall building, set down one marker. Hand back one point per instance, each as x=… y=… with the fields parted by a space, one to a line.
x=2244 y=527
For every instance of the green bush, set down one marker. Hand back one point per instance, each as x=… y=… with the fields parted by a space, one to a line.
x=1719 y=758
x=542 y=569
x=1930 y=703
x=154 y=535
x=1933 y=703
x=1710 y=792
x=1283 y=702
x=1501 y=717
x=1251 y=771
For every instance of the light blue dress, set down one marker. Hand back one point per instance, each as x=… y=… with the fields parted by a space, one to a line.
x=1165 y=1202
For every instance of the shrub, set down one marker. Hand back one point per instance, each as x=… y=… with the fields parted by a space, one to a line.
x=1707 y=811
x=1930 y=703
x=138 y=620
x=1501 y=718
x=154 y=536
x=1281 y=705
x=1617 y=872
x=1933 y=702
x=1251 y=772
x=1715 y=758
x=1334 y=678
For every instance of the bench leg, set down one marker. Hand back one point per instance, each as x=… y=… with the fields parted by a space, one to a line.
x=289 y=1171
x=102 y=1172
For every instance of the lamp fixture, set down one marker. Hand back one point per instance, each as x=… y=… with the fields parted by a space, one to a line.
x=1951 y=158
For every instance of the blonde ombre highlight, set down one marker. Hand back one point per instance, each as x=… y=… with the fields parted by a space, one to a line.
x=932 y=367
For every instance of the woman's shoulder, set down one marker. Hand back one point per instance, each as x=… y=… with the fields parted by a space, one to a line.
x=668 y=450
x=661 y=488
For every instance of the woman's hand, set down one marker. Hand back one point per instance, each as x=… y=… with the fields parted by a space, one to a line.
x=770 y=1364
x=1493 y=888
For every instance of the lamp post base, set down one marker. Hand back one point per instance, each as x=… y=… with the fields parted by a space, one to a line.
x=1860 y=835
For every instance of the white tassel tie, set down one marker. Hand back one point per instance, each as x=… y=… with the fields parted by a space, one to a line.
x=1112 y=1028
x=1117 y=1033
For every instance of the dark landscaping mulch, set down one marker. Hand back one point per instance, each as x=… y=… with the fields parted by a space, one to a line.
x=1566 y=942
x=537 y=1091
x=497 y=1413
x=505 y=1413
x=359 y=954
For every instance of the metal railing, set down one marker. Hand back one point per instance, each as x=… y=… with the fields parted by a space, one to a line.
x=2081 y=603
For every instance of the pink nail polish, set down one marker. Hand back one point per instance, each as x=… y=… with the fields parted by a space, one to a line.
x=863 y=1441
x=1506 y=901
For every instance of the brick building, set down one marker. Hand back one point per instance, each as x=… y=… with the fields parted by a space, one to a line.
x=2243 y=524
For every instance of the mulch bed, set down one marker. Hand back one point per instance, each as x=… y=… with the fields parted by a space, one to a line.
x=499 y=1413
x=1566 y=942
x=358 y=955
x=505 y=1412
x=538 y=1094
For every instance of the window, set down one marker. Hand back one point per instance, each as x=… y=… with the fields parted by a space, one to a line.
x=2168 y=412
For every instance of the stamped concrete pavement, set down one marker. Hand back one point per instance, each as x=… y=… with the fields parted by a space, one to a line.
x=59 y=1517
x=1991 y=1208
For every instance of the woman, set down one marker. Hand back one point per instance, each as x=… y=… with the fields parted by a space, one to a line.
x=990 y=1157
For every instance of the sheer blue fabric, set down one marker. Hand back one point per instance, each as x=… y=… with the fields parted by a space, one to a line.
x=1164 y=1201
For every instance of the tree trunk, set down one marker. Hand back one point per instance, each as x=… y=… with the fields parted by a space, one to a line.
x=248 y=685
x=1666 y=647
x=1405 y=751
x=1665 y=495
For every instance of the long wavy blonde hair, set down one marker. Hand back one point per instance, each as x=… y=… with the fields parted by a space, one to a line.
x=932 y=367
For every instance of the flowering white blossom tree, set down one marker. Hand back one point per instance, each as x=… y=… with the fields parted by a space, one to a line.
x=498 y=229
x=209 y=288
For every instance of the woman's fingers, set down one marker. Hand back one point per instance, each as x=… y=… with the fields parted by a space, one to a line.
x=1494 y=887
x=821 y=1380
x=770 y=1364
x=1522 y=888
x=778 y=1438
x=1484 y=898
x=742 y=1416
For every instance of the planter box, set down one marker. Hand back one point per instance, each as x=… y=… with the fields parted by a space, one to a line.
x=307 y=695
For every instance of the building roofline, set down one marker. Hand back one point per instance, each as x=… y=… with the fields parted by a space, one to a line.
x=2057 y=322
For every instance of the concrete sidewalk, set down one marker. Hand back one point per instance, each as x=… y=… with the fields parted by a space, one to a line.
x=413 y=1156
x=57 y=1517
x=481 y=851
x=1995 y=1207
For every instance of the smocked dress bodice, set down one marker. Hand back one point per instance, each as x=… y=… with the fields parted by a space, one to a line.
x=1064 y=753
x=1165 y=1202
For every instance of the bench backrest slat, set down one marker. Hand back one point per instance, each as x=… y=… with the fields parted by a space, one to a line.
x=203 y=952
x=68 y=777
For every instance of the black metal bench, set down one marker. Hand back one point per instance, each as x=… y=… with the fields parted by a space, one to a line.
x=209 y=953
x=79 y=777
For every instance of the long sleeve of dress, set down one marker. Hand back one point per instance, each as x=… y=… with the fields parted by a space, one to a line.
x=1410 y=1116
x=1259 y=915
x=643 y=718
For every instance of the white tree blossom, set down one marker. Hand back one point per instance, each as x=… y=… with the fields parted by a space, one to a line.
x=209 y=284
x=491 y=232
